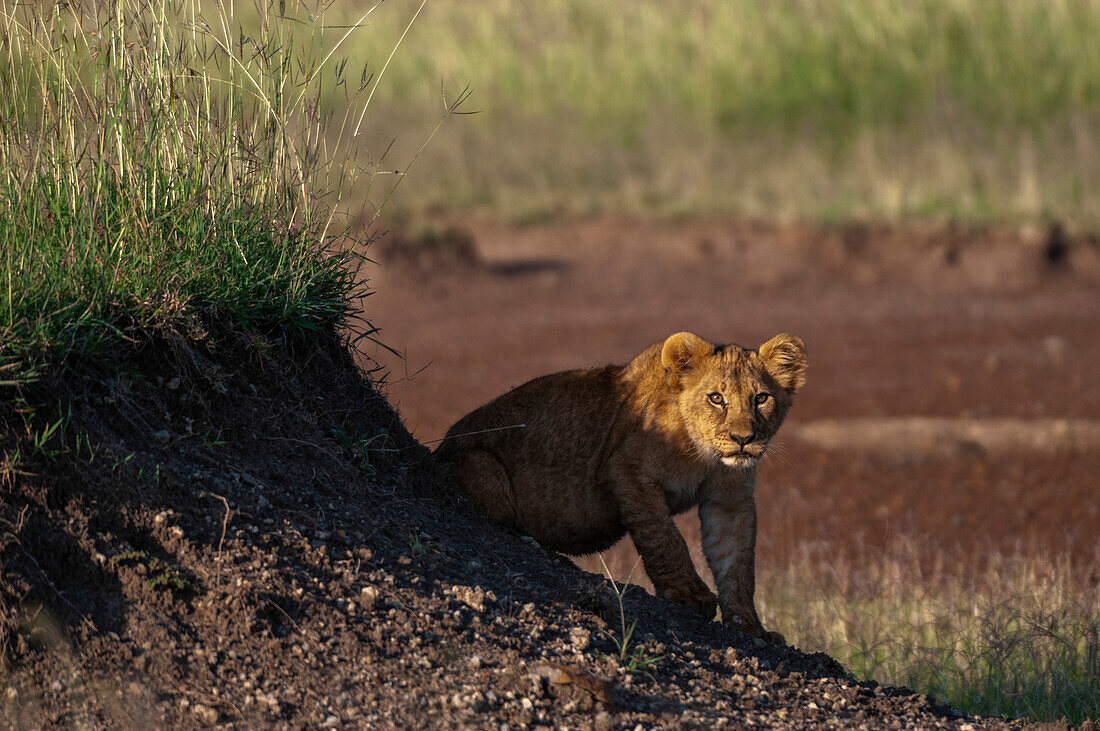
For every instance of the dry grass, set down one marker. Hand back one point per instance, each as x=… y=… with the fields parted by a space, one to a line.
x=1018 y=638
x=927 y=108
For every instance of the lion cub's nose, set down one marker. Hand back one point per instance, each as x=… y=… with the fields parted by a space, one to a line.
x=742 y=439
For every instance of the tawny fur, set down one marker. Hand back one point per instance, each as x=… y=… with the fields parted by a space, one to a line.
x=578 y=459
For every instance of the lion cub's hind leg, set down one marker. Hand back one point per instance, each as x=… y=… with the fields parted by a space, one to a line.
x=484 y=480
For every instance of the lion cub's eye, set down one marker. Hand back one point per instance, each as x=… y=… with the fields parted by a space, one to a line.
x=762 y=398
x=716 y=398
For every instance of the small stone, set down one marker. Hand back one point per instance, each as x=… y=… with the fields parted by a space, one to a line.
x=368 y=596
x=173 y=384
x=527 y=704
x=205 y=714
x=249 y=479
x=330 y=721
x=475 y=662
x=162 y=435
x=604 y=722
x=161 y=518
x=580 y=638
x=473 y=597
x=56 y=686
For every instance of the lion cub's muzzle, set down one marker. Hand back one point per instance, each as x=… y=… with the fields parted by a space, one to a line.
x=740 y=459
x=743 y=440
x=740 y=450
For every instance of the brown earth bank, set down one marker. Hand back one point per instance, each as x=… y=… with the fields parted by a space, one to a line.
x=952 y=399
x=244 y=535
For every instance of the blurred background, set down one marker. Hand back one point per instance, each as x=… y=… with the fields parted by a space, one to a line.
x=951 y=108
x=912 y=187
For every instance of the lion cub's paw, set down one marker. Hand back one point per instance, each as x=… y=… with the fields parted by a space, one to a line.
x=695 y=595
x=752 y=627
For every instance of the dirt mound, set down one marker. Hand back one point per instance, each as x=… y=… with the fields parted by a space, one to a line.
x=247 y=536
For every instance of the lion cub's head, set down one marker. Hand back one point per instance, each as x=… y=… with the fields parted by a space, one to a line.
x=733 y=399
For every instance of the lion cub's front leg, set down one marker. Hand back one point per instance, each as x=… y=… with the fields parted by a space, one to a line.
x=664 y=553
x=727 y=512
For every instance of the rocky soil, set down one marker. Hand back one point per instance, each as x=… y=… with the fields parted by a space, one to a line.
x=246 y=536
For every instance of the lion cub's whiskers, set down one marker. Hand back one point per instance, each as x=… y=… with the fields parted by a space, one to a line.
x=779 y=449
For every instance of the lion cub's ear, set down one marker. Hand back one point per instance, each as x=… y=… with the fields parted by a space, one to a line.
x=682 y=349
x=785 y=358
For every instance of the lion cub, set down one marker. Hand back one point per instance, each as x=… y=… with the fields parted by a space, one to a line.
x=579 y=458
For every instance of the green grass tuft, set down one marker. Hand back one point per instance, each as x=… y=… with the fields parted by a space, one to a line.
x=158 y=163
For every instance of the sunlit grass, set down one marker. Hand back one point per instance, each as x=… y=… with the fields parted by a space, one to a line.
x=1019 y=638
x=160 y=160
x=995 y=635
x=942 y=108
x=926 y=108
